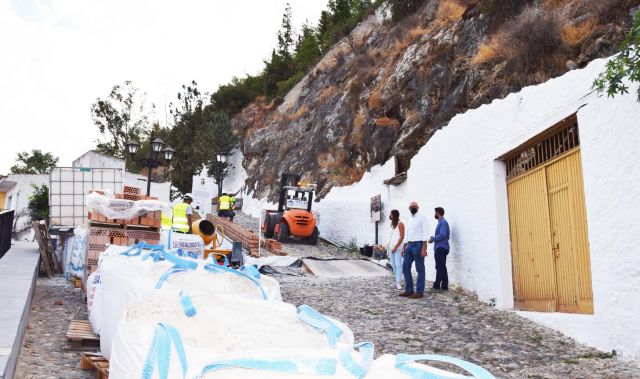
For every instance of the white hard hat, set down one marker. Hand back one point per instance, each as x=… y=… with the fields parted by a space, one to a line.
x=188 y=196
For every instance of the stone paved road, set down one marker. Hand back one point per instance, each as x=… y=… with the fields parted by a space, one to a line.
x=46 y=353
x=452 y=323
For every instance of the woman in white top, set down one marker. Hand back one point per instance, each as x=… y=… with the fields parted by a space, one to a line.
x=394 y=246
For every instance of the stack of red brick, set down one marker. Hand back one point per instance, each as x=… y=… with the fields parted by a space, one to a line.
x=104 y=231
x=248 y=238
x=237 y=233
x=274 y=246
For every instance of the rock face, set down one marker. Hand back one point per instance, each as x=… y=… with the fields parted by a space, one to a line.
x=386 y=92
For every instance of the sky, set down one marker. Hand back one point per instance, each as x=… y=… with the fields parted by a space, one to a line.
x=58 y=56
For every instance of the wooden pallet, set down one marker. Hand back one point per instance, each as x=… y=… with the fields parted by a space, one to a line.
x=47 y=255
x=121 y=226
x=81 y=334
x=93 y=361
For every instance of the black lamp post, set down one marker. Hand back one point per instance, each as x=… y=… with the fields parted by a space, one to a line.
x=157 y=146
x=222 y=159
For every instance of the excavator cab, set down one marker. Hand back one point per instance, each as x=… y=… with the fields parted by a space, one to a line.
x=293 y=220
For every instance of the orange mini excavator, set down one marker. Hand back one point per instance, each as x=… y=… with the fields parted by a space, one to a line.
x=294 y=219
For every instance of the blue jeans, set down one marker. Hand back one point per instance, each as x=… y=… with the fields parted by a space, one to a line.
x=413 y=254
x=396 y=263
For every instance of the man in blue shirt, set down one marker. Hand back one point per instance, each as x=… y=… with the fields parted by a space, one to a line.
x=441 y=247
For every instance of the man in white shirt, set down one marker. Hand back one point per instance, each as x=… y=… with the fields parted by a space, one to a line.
x=415 y=251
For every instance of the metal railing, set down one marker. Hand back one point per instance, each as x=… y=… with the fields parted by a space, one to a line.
x=6 y=226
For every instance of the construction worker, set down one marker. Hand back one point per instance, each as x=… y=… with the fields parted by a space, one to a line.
x=225 y=206
x=167 y=222
x=182 y=215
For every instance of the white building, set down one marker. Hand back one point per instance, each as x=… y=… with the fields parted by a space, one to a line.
x=541 y=193
x=15 y=189
x=93 y=159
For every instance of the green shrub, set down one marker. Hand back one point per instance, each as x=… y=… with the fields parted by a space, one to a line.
x=39 y=203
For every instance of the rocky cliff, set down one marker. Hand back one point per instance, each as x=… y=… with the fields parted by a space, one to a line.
x=383 y=91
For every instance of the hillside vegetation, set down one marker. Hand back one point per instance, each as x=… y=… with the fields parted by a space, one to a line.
x=406 y=69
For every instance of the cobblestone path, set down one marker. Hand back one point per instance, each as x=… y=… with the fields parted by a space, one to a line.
x=46 y=353
x=455 y=324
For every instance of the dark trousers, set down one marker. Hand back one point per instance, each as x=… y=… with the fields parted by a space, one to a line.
x=413 y=253
x=442 y=278
x=228 y=214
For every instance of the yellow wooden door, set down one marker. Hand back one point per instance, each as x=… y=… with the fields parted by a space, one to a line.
x=549 y=241
x=570 y=246
x=533 y=272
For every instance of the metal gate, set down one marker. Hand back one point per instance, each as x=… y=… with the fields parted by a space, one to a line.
x=547 y=216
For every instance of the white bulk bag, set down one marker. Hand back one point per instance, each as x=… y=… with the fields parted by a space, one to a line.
x=221 y=325
x=190 y=245
x=348 y=362
x=404 y=366
x=75 y=266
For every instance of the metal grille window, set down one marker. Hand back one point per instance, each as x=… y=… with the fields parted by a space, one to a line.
x=543 y=148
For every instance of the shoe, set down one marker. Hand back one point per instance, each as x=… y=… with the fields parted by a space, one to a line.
x=445 y=288
x=405 y=294
x=416 y=296
x=399 y=286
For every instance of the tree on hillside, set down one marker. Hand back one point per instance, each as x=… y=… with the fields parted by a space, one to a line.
x=223 y=141
x=190 y=136
x=307 y=50
x=280 y=67
x=291 y=60
x=231 y=98
x=35 y=162
x=285 y=34
x=122 y=115
x=625 y=65
x=402 y=8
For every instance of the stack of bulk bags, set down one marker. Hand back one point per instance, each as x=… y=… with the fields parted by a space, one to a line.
x=218 y=328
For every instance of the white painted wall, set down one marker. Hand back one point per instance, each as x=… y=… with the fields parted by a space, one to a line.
x=93 y=159
x=17 y=197
x=457 y=169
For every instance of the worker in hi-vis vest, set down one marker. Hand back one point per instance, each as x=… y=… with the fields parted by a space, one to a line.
x=182 y=215
x=225 y=206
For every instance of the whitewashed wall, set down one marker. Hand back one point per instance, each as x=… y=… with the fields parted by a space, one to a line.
x=94 y=159
x=458 y=170
x=19 y=194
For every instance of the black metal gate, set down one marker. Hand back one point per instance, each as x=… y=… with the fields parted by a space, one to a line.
x=6 y=226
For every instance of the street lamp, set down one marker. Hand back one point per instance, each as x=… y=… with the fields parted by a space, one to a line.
x=151 y=161
x=222 y=159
